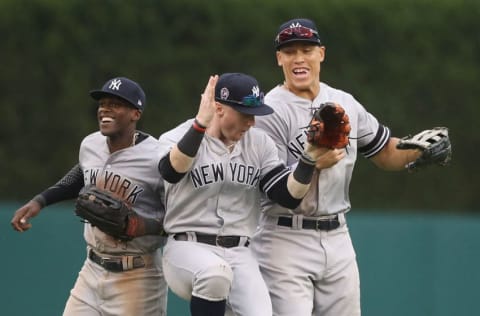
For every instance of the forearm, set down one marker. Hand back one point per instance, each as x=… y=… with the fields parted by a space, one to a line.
x=299 y=180
x=392 y=159
x=183 y=154
x=295 y=188
x=66 y=188
x=180 y=162
x=285 y=187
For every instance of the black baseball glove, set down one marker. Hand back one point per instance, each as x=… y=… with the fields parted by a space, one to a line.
x=434 y=144
x=329 y=127
x=108 y=213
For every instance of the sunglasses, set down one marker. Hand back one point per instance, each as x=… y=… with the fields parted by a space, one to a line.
x=299 y=32
x=249 y=100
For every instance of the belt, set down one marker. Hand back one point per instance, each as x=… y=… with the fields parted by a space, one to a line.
x=319 y=224
x=214 y=240
x=117 y=264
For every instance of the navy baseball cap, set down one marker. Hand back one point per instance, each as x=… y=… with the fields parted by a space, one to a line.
x=297 y=30
x=241 y=92
x=123 y=88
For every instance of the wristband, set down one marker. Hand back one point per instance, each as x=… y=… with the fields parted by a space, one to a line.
x=198 y=127
x=307 y=159
x=304 y=171
x=191 y=141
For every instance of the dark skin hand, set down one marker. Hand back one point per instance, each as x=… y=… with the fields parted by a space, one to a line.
x=20 y=221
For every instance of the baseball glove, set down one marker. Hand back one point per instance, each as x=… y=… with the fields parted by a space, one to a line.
x=329 y=127
x=108 y=213
x=434 y=144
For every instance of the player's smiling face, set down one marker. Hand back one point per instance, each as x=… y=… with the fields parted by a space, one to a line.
x=234 y=124
x=115 y=116
x=300 y=62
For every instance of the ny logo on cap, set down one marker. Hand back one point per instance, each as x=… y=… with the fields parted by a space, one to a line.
x=256 y=91
x=297 y=24
x=115 y=84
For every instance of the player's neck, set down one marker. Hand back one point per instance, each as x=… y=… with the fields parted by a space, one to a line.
x=116 y=143
x=309 y=93
x=214 y=130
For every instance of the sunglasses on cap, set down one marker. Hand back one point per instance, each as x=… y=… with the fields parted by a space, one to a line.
x=250 y=100
x=298 y=32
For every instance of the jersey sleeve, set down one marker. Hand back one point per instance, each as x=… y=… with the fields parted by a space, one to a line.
x=372 y=136
x=274 y=182
x=273 y=169
x=167 y=140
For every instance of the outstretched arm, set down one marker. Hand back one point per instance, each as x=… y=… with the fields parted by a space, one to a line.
x=67 y=188
x=392 y=159
x=429 y=147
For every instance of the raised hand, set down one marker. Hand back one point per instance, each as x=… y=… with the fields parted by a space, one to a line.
x=206 y=110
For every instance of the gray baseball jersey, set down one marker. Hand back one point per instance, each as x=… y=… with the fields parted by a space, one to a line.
x=323 y=278
x=132 y=175
x=286 y=126
x=220 y=195
x=222 y=187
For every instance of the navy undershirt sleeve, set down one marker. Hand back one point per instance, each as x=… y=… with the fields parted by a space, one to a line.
x=67 y=188
x=274 y=184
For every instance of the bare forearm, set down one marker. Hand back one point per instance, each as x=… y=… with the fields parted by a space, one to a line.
x=295 y=188
x=392 y=159
x=299 y=180
x=180 y=161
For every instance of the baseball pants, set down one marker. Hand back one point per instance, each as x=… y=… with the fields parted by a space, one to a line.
x=308 y=272
x=216 y=273
x=141 y=291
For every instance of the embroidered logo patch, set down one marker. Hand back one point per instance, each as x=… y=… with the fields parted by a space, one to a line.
x=224 y=93
x=115 y=84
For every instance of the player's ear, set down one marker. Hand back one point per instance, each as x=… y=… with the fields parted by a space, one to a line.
x=322 y=53
x=136 y=114
x=219 y=108
x=279 y=58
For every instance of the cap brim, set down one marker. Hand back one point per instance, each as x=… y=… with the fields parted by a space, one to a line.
x=251 y=110
x=293 y=40
x=98 y=94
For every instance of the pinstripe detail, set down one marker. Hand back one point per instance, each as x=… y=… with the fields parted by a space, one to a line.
x=380 y=140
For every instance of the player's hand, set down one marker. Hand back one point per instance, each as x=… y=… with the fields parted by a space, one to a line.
x=206 y=109
x=20 y=221
x=324 y=157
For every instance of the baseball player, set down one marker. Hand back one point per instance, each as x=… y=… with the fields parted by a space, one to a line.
x=118 y=277
x=305 y=254
x=215 y=170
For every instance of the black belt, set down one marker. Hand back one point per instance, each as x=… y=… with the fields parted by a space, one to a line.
x=118 y=264
x=319 y=224
x=214 y=240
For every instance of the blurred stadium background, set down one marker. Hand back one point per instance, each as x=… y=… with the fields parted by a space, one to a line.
x=413 y=63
